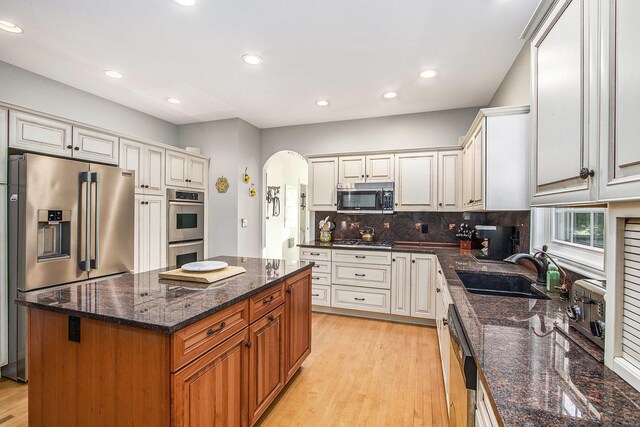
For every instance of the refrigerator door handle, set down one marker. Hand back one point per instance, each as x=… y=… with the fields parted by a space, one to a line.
x=85 y=178
x=95 y=263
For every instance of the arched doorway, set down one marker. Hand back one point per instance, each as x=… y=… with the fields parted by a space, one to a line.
x=285 y=211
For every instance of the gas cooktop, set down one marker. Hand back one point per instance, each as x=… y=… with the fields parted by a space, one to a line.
x=361 y=243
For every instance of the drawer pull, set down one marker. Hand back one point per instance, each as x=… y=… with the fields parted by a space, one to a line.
x=316 y=266
x=438 y=290
x=315 y=278
x=360 y=275
x=271 y=318
x=359 y=299
x=213 y=331
x=268 y=300
x=315 y=295
x=439 y=271
x=314 y=253
x=360 y=256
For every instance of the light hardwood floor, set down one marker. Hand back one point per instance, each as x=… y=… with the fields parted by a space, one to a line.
x=360 y=373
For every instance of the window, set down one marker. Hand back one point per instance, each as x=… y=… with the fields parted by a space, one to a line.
x=579 y=226
x=574 y=236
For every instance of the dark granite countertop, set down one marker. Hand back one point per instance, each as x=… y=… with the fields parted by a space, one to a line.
x=534 y=374
x=144 y=300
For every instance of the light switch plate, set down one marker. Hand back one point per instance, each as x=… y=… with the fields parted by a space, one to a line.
x=243 y=223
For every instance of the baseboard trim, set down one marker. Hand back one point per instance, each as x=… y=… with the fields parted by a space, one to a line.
x=374 y=316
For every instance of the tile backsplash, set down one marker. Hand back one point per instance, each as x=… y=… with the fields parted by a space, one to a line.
x=406 y=226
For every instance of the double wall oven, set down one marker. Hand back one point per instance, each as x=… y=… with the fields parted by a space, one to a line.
x=186 y=227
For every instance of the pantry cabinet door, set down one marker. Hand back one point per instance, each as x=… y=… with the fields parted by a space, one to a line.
x=416 y=182
x=560 y=106
x=352 y=169
x=131 y=157
x=156 y=227
x=380 y=168
x=450 y=180
x=323 y=182
x=619 y=153
x=154 y=165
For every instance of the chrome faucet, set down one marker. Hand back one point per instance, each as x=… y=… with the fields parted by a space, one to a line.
x=539 y=260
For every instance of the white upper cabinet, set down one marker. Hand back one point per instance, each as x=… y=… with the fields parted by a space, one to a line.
x=196 y=172
x=620 y=91
x=94 y=146
x=34 y=133
x=176 y=169
x=496 y=160
x=380 y=167
x=148 y=163
x=416 y=176
x=183 y=170
x=450 y=180
x=4 y=135
x=561 y=62
x=371 y=168
x=352 y=169
x=323 y=181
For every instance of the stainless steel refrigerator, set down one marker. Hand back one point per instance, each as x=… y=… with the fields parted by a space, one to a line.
x=69 y=221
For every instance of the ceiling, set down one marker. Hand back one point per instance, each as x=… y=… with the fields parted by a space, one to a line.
x=346 y=51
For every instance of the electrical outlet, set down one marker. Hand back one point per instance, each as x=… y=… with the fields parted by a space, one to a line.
x=385 y=225
x=424 y=229
x=452 y=227
x=418 y=226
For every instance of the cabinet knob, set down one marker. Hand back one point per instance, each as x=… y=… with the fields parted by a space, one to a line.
x=396 y=204
x=413 y=261
x=288 y=290
x=438 y=290
x=439 y=204
x=271 y=318
x=445 y=321
x=248 y=344
x=362 y=176
x=393 y=259
x=69 y=147
x=585 y=173
x=335 y=204
x=76 y=148
x=470 y=201
x=367 y=176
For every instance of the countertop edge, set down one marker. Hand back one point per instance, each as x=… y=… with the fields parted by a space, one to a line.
x=155 y=327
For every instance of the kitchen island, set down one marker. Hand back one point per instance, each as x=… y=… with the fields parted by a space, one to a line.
x=140 y=350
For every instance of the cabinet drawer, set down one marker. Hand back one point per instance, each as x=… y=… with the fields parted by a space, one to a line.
x=362 y=257
x=315 y=254
x=321 y=295
x=371 y=276
x=193 y=341
x=321 y=267
x=320 y=278
x=263 y=302
x=376 y=300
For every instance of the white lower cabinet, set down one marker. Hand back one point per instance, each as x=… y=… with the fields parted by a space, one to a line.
x=423 y=269
x=321 y=295
x=443 y=299
x=150 y=234
x=372 y=276
x=356 y=298
x=485 y=416
x=401 y=284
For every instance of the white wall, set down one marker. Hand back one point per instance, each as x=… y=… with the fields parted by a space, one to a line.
x=515 y=88
x=284 y=168
x=26 y=89
x=232 y=144
x=438 y=128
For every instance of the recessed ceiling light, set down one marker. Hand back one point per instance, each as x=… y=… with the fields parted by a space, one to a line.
x=173 y=101
x=322 y=102
x=428 y=74
x=10 y=27
x=251 y=59
x=389 y=95
x=114 y=74
x=184 y=2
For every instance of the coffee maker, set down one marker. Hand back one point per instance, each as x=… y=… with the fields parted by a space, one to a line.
x=498 y=242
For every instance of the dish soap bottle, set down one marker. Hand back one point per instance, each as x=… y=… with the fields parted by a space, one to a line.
x=553 y=278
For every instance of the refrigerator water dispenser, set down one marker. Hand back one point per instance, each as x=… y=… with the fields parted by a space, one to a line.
x=54 y=234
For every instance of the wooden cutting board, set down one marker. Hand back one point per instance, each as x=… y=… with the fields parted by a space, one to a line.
x=205 y=277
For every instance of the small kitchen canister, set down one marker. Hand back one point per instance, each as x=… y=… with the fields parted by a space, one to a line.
x=325 y=235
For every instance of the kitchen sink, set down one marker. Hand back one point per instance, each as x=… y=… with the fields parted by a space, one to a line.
x=500 y=285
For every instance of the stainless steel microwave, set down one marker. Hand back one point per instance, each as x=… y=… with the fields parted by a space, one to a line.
x=366 y=197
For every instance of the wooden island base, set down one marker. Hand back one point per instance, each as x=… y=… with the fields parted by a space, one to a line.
x=225 y=369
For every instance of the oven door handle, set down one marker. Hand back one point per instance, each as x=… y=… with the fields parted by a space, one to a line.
x=194 y=204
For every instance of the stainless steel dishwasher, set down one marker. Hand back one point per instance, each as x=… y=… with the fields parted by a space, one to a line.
x=463 y=378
